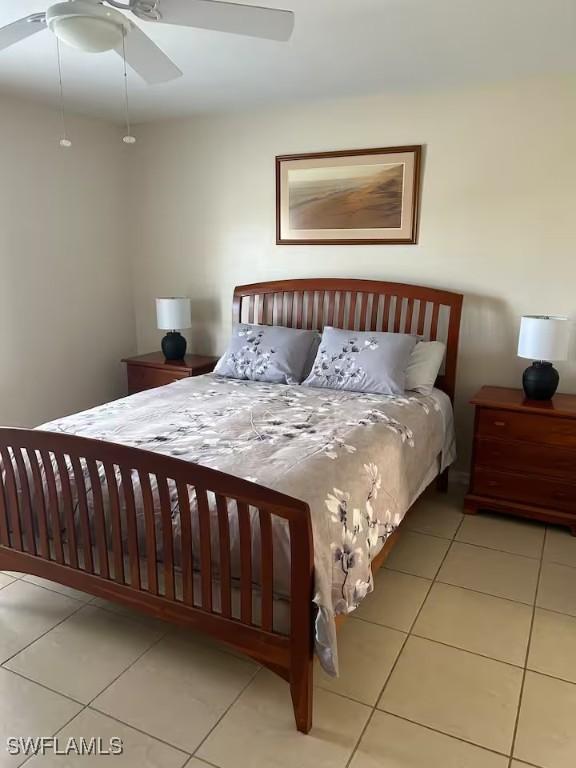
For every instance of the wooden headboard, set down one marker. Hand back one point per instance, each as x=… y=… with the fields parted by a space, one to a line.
x=361 y=305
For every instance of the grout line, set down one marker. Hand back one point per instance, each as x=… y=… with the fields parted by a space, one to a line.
x=61 y=728
x=24 y=647
x=479 y=592
x=444 y=733
x=223 y=715
x=86 y=601
x=351 y=617
x=436 y=580
x=466 y=650
x=137 y=659
x=135 y=728
x=46 y=687
x=84 y=706
x=200 y=760
x=374 y=708
x=494 y=549
x=527 y=654
x=480 y=546
x=432 y=535
x=408 y=635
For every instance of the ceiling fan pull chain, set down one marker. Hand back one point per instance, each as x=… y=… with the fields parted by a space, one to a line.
x=64 y=141
x=128 y=139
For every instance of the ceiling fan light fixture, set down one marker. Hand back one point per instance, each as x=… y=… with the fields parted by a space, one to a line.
x=86 y=25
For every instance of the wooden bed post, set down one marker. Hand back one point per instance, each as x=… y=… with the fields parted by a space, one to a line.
x=301 y=689
x=43 y=478
x=301 y=620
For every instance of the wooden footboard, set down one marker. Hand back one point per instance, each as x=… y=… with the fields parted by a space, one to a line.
x=68 y=513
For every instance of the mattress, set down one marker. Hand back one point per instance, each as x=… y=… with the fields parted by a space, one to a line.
x=358 y=460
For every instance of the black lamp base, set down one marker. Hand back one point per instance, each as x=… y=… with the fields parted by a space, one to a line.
x=174 y=346
x=540 y=381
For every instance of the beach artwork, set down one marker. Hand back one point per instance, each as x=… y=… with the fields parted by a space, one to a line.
x=336 y=197
x=355 y=197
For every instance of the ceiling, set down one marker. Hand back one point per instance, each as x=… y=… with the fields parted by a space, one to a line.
x=339 y=48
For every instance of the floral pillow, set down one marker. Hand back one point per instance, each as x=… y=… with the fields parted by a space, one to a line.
x=362 y=361
x=269 y=353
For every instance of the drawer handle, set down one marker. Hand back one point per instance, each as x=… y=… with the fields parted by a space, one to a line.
x=499 y=423
x=493 y=483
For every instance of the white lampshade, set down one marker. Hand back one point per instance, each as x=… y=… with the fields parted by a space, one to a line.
x=173 y=314
x=544 y=337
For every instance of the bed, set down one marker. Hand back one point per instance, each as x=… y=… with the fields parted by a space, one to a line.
x=256 y=513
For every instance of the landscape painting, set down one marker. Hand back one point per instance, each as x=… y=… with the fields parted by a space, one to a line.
x=355 y=197
x=361 y=196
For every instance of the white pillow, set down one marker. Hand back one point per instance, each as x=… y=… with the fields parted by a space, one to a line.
x=425 y=363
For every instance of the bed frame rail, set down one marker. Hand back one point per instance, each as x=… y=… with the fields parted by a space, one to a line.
x=68 y=513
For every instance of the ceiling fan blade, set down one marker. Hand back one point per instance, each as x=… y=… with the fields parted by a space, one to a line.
x=252 y=20
x=21 y=29
x=147 y=59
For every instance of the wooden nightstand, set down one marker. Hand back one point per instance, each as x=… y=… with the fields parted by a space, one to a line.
x=524 y=457
x=153 y=370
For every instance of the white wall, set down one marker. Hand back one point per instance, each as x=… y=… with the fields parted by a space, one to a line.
x=66 y=315
x=497 y=221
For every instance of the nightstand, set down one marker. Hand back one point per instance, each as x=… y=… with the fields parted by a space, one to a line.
x=153 y=370
x=524 y=457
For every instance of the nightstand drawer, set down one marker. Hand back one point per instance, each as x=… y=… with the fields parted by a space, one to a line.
x=140 y=378
x=544 y=430
x=550 y=461
x=527 y=489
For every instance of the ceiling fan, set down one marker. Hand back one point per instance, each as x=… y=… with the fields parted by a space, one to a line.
x=102 y=25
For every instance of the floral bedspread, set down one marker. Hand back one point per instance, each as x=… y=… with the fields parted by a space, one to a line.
x=358 y=461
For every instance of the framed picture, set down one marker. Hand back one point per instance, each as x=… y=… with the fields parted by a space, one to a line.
x=355 y=197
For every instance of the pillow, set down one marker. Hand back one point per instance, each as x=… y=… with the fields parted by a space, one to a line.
x=266 y=353
x=424 y=365
x=362 y=361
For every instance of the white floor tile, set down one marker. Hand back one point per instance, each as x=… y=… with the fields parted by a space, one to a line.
x=560 y=546
x=461 y=617
x=60 y=588
x=557 y=588
x=546 y=728
x=486 y=570
x=395 y=601
x=366 y=654
x=5 y=579
x=456 y=692
x=417 y=554
x=390 y=742
x=177 y=691
x=28 y=710
x=507 y=534
x=27 y=612
x=85 y=653
x=138 y=750
x=553 y=645
x=259 y=730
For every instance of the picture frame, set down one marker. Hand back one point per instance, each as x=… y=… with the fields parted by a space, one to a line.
x=349 y=197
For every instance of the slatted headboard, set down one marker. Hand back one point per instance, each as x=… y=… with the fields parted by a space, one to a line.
x=361 y=305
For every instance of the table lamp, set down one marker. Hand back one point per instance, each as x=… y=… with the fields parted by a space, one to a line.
x=543 y=338
x=173 y=315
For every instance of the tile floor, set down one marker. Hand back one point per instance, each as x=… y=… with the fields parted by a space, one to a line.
x=463 y=657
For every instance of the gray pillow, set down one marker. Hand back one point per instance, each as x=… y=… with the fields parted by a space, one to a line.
x=362 y=361
x=270 y=353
